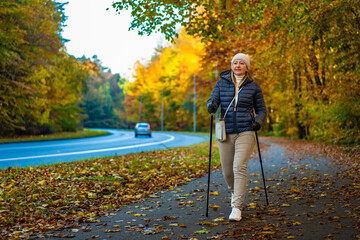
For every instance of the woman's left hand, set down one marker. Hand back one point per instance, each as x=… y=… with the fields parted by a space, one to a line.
x=256 y=126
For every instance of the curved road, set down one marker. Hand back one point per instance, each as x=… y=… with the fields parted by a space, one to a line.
x=118 y=143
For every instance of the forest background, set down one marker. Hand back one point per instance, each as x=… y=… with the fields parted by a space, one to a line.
x=305 y=56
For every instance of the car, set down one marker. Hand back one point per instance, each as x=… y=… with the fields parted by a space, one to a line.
x=142 y=129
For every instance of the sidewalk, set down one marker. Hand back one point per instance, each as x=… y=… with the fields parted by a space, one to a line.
x=309 y=199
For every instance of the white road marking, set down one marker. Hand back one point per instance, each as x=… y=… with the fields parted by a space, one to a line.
x=90 y=151
x=83 y=141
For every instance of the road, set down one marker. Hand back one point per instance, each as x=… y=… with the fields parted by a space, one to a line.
x=118 y=143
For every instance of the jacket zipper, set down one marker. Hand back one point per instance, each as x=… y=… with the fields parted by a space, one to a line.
x=234 y=115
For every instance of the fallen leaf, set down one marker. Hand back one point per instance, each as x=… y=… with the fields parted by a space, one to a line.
x=214 y=207
x=215 y=193
x=203 y=231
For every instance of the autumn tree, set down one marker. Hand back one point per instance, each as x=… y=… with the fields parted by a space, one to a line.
x=30 y=39
x=167 y=79
x=40 y=83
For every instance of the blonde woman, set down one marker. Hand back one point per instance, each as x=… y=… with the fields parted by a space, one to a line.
x=240 y=124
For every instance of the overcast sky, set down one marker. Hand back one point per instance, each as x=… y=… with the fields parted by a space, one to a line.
x=94 y=31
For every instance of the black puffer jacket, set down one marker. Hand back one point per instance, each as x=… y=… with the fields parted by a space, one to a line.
x=249 y=98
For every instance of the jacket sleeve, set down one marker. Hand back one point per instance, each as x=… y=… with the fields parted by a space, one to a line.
x=259 y=106
x=215 y=96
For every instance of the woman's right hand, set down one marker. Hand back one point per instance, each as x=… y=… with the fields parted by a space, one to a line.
x=212 y=107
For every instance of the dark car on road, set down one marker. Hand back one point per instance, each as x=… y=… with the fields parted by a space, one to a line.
x=142 y=129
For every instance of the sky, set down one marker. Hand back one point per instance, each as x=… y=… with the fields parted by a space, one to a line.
x=92 y=30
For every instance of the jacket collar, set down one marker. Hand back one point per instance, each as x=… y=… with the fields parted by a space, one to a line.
x=227 y=76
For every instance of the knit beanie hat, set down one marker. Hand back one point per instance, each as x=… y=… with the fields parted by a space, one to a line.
x=243 y=57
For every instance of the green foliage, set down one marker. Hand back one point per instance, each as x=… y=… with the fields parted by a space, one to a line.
x=40 y=84
x=152 y=16
x=102 y=104
x=337 y=123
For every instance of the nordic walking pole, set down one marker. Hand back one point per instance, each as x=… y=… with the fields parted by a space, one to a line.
x=262 y=170
x=208 y=186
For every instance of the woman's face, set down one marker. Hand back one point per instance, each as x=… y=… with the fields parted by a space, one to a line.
x=239 y=67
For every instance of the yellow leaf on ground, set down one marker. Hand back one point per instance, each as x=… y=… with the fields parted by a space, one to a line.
x=214 y=193
x=203 y=231
x=214 y=206
x=91 y=195
x=9 y=186
x=252 y=205
x=219 y=219
x=293 y=189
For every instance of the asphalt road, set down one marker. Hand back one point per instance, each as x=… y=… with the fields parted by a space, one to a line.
x=118 y=143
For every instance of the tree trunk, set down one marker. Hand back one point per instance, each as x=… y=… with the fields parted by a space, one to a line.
x=270 y=127
x=298 y=104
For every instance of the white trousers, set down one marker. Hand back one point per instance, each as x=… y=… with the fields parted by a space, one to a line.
x=235 y=153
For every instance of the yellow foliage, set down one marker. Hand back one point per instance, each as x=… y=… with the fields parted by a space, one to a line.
x=170 y=72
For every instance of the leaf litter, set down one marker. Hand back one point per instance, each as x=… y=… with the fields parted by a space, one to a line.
x=34 y=200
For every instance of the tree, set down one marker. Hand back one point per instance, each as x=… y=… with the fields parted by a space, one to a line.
x=168 y=76
x=30 y=40
x=102 y=104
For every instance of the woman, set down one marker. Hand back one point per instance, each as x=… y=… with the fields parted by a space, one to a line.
x=240 y=124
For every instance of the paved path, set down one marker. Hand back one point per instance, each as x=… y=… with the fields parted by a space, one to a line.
x=308 y=200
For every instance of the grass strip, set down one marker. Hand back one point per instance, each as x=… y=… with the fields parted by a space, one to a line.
x=34 y=200
x=56 y=136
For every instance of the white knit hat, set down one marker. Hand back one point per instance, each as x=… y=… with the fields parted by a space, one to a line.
x=243 y=57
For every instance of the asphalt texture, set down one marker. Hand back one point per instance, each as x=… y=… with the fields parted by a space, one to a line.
x=307 y=195
x=119 y=142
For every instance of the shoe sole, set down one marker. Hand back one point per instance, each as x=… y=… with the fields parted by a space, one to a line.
x=235 y=220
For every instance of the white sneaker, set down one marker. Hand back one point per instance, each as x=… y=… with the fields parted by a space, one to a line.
x=235 y=215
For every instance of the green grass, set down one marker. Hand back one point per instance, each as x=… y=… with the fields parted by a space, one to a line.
x=191 y=132
x=56 y=136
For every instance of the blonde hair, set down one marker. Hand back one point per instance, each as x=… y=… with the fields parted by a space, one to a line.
x=234 y=79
